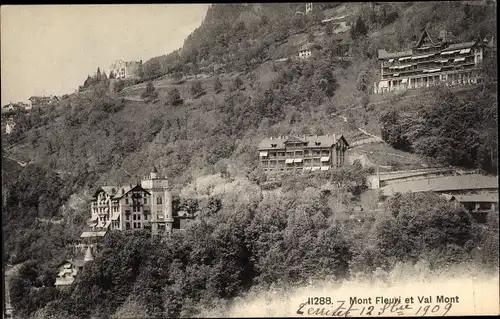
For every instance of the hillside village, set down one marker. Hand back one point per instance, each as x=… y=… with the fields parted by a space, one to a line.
x=314 y=126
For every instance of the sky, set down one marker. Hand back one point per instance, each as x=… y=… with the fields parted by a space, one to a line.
x=50 y=49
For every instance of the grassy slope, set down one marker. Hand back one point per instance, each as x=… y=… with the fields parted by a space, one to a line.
x=200 y=114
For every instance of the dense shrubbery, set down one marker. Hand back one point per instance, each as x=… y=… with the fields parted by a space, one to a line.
x=453 y=130
x=285 y=239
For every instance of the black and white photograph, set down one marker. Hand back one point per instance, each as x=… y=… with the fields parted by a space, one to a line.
x=302 y=159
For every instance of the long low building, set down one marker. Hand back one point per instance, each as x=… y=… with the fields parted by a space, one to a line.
x=454 y=185
x=302 y=153
x=478 y=205
x=476 y=202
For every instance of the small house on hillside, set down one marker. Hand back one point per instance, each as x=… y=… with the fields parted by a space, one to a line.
x=68 y=270
x=9 y=127
x=10 y=107
x=478 y=205
x=39 y=100
x=475 y=202
x=309 y=7
x=307 y=49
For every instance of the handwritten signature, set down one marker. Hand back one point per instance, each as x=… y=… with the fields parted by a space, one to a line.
x=342 y=310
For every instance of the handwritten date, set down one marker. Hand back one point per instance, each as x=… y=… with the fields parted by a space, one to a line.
x=343 y=309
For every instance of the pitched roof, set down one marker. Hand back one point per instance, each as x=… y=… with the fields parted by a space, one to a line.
x=442 y=184
x=110 y=190
x=119 y=191
x=75 y=262
x=476 y=198
x=383 y=54
x=309 y=46
x=107 y=189
x=129 y=188
x=91 y=233
x=325 y=140
x=462 y=45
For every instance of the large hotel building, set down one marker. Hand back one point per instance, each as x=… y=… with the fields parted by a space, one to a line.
x=302 y=153
x=436 y=58
x=144 y=206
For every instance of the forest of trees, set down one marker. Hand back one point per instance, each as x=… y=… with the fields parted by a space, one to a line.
x=257 y=240
x=460 y=131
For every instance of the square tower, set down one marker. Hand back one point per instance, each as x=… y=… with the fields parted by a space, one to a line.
x=161 y=202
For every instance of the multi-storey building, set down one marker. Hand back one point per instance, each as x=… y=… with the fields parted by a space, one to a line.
x=309 y=7
x=145 y=206
x=126 y=69
x=435 y=59
x=9 y=127
x=40 y=100
x=307 y=49
x=304 y=153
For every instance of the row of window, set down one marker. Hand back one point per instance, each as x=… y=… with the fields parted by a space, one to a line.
x=300 y=153
x=135 y=225
x=429 y=66
x=127 y=202
x=433 y=58
x=139 y=225
x=135 y=216
x=305 y=161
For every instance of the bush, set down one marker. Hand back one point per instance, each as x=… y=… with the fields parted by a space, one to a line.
x=197 y=89
x=174 y=97
x=217 y=85
x=149 y=92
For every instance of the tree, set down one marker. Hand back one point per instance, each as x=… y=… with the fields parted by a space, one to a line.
x=149 y=92
x=329 y=29
x=393 y=131
x=197 y=89
x=88 y=82
x=151 y=68
x=111 y=75
x=359 y=30
x=310 y=37
x=237 y=83
x=363 y=83
x=217 y=85
x=174 y=97
x=177 y=77
x=119 y=85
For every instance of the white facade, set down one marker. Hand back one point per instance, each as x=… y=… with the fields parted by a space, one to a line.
x=148 y=205
x=10 y=127
x=304 y=54
x=125 y=69
x=309 y=7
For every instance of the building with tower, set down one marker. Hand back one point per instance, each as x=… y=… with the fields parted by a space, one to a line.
x=161 y=202
x=147 y=205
